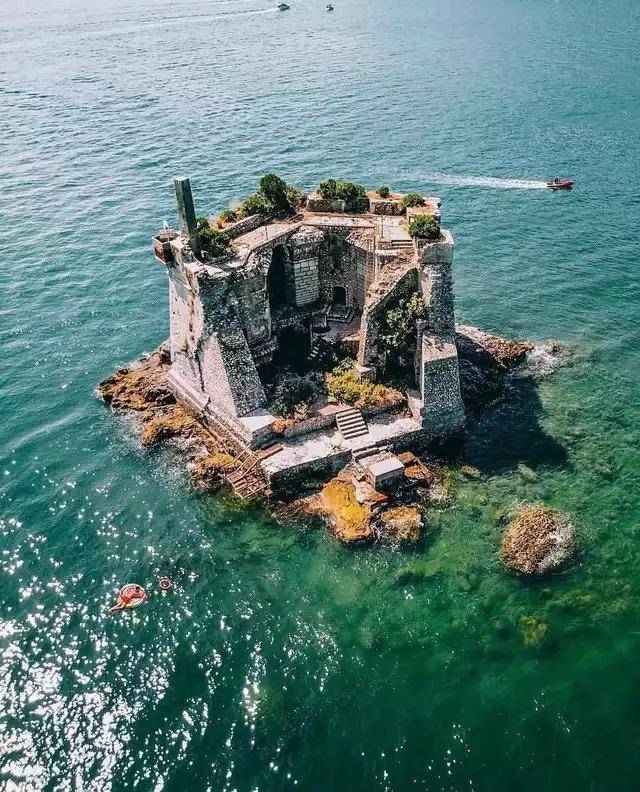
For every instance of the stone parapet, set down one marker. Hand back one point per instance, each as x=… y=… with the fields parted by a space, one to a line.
x=245 y=225
x=327 y=205
x=385 y=206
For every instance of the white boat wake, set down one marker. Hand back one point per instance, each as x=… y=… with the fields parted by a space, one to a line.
x=483 y=181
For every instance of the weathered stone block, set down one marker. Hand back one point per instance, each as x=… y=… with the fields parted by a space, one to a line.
x=317 y=204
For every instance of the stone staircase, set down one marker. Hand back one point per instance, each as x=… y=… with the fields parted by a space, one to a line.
x=402 y=244
x=341 y=313
x=351 y=423
x=320 y=351
x=248 y=480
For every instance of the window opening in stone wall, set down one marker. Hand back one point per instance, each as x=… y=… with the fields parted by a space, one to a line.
x=277 y=277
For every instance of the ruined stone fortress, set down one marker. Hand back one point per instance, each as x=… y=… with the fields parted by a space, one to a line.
x=330 y=274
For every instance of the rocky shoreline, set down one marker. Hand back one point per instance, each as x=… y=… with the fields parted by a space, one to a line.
x=142 y=390
x=352 y=508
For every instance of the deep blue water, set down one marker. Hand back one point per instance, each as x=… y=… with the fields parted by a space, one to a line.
x=283 y=659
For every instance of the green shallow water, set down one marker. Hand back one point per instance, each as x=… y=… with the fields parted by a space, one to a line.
x=283 y=659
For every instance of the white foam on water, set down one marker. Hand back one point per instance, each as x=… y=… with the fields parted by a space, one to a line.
x=484 y=181
x=544 y=359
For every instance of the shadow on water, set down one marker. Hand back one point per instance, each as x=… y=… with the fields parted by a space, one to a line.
x=510 y=434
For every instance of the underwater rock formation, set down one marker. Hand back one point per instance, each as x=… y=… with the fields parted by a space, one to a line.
x=537 y=541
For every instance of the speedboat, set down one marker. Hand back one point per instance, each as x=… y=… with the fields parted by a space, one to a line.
x=560 y=184
x=283 y=7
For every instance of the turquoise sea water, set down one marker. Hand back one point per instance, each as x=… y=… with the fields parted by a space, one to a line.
x=283 y=659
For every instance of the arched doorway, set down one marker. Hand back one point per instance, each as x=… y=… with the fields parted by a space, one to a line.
x=339 y=296
x=277 y=277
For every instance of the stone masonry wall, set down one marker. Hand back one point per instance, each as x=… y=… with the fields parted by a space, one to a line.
x=436 y=281
x=304 y=247
x=343 y=262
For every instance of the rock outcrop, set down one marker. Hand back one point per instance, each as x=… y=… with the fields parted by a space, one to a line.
x=142 y=388
x=356 y=512
x=349 y=519
x=400 y=524
x=485 y=360
x=537 y=541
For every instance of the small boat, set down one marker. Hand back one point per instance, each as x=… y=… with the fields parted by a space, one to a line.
x=283 y=7
x=560 y=184
x=329 y=7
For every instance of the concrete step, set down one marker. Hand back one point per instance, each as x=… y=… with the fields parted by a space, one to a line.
x=351 y=423
x=369 y=451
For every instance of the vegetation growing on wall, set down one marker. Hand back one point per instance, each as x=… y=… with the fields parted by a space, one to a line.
x=354 y=195
x=400 y=322
x=412 y=199
x=424 y=227
x=398 y=335
x=274 y=197
x=384 y=191
x=345 y=385
x=227 y=216
x=212 y=241
x=292 y=395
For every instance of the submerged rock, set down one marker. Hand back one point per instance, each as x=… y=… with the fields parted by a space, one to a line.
x=538 y=540
x=533 y=630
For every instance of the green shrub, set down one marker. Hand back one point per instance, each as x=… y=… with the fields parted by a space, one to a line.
x=293 y=394
x=212 y=241
x=328 y=189
x=227 y=216
x=345 y=385
x=399 y=324
x=424 y=227
x=202 y=223
x=412 y=199
x=274 y=190
x=297 y=199
x=256 y=204
x=384 y=191
x=353 y=195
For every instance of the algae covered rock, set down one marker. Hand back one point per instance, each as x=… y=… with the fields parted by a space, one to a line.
x=533 y=631
x=350 y=520
x=538 y=540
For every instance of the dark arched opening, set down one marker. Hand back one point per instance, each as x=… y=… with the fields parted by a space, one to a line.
x=339 y=296
x=277 y=277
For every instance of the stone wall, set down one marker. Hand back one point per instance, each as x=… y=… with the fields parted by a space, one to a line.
x=385 y=206
x=436 y=282
x=304 y=247
x=245 y=225
x=442 y=411
x=325 y=205
x=343 y=261
x=370 y=353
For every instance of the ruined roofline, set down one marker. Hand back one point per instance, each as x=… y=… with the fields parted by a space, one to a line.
x=317 y=211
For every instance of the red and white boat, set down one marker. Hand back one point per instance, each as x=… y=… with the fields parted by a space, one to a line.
x=560 y=184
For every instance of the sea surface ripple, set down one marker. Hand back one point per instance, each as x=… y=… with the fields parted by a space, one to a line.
x=281 y=659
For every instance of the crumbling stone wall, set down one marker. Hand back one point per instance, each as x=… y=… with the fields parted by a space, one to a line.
x=405 y=283
x=343 y=261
